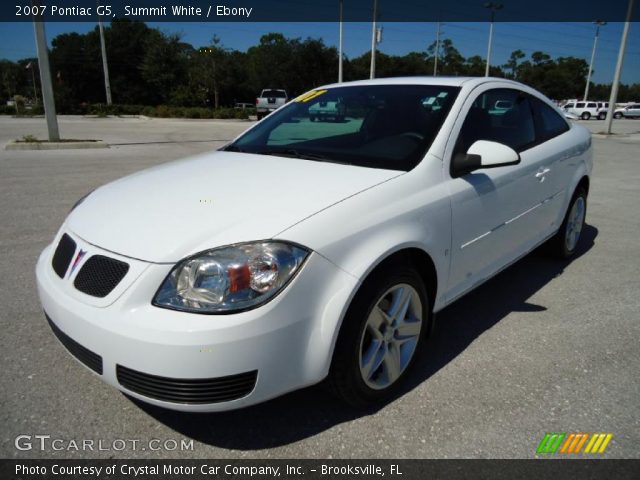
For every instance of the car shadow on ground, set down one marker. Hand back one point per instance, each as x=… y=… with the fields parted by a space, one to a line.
x=307 y=412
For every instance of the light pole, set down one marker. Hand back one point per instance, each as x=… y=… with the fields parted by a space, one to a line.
x=374 y=34
x=493 y=6
x=33 y=78
x=616 y=77
x=340 y=47
x=105 y=67
x=598 y=24
x=46 y=86
x=435 y=58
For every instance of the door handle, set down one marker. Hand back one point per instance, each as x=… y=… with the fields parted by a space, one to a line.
x=540 y=174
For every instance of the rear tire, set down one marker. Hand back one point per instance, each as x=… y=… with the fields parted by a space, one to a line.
x=602 y=116
x=566 y=241
x=381 y=334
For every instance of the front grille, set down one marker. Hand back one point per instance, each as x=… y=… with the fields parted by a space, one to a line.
x=86 y=356
x=185 y=390
x=100 y=275
x=63 y=254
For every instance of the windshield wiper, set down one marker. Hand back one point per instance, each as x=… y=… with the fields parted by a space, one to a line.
x=293 y=153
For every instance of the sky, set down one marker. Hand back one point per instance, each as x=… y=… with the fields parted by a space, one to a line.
x=557 y=39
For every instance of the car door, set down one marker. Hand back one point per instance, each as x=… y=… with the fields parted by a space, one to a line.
x=495 y=212
x=556 y=147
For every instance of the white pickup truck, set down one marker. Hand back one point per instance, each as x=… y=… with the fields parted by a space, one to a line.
x=270 y=99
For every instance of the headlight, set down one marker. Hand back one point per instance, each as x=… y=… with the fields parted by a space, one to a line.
x=237 y=277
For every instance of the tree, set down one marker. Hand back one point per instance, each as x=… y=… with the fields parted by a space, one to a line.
x=9 y=79
x=149 y=67
x=512 y=63
x=165 y=65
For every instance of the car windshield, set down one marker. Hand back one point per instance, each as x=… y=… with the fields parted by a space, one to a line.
x=376 y=126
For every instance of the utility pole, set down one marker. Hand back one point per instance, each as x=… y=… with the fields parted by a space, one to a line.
x=493 y=7
x=45 y=77
x=33 y=79
x=105 y=67
x=340 y=47
x=598 y=23
x=437 y=54
x=616 y=77
x=374 y=34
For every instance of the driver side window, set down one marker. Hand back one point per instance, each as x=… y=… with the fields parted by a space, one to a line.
x=501 y=115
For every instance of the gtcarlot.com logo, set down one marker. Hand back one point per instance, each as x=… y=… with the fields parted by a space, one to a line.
x=574 y=443
x=49 y=443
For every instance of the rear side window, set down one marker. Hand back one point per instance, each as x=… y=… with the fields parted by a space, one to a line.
x=274 y=93
x=548 y=122
x=501 y=115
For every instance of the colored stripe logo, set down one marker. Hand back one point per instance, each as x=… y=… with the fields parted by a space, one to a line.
x=79 y=257
x=573 y=443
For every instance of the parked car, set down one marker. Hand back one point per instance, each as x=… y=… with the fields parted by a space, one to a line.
x=630 y=111
x=321 y=250
x=584 y=110
x=603 y=108
x=270 y=99
x=327 y=111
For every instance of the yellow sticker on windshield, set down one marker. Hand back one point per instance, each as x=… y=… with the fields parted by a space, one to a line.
x=310 y=95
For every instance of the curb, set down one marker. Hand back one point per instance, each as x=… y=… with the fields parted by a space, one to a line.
x=45 y=145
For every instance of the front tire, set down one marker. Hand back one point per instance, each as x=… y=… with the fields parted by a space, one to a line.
x=381 y=334
x=565 y=242
x=617 y=115
x=585 y=116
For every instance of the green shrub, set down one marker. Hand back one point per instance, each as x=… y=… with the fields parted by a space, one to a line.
x=103 y=110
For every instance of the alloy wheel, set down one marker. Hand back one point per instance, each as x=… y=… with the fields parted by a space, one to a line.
x=390 y=336
x=575 y=223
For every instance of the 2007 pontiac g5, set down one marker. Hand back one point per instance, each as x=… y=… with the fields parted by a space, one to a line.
x=304 y=250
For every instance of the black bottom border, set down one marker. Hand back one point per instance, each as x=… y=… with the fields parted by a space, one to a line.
x=579 y=469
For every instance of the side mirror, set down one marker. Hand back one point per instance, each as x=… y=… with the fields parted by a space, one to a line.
x=484 y=154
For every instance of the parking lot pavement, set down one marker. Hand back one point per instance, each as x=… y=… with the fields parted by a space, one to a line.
x=625 y=130
x=544 y=347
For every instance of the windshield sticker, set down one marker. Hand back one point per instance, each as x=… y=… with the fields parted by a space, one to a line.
x=310 y=96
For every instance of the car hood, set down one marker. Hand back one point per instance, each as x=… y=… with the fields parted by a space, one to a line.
x=168 y=212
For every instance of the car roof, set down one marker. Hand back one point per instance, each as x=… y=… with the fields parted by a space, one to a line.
x=424 y=80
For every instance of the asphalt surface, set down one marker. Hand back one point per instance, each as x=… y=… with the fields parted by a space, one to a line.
x=546 y=346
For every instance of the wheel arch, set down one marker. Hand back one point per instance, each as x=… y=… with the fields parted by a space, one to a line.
x=584 y=182
x=412 y=257
x=409 y=255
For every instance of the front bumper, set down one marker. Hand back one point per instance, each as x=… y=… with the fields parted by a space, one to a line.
x=285 y=344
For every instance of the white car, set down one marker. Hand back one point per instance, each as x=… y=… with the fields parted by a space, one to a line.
x=304 y=250
x=584 y=110
x=630 y=111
